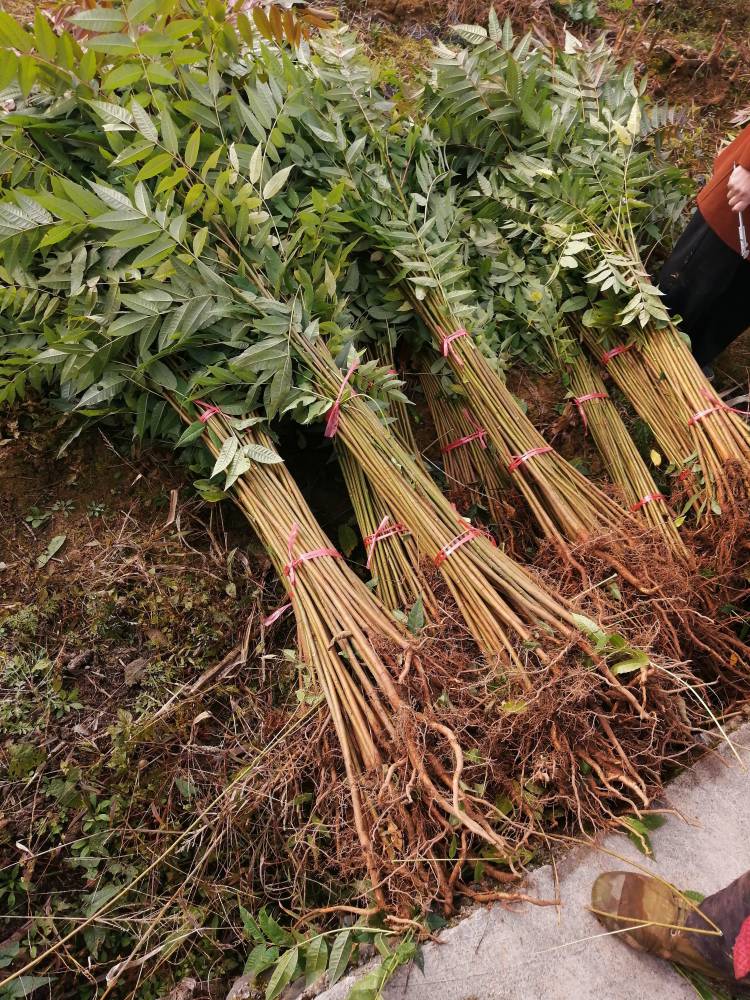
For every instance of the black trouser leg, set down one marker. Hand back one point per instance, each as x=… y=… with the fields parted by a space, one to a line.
x=728 y=910
x=708 y=285
x=729 y=317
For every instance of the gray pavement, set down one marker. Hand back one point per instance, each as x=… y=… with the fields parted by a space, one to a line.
x=560 y=953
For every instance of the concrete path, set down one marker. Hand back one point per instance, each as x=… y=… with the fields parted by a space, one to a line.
x=558 y=953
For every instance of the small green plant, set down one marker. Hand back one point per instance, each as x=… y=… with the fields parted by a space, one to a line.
x=621 y=657
x=23 y=622
x=38 y=695
x=580 y=11
x=96 y=509
x=583 y=12
x=640 y=828
x=38 y=517
x=280 y=957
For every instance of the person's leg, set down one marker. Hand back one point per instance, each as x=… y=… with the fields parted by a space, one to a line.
x=729 y=316
x=729 y=909
x=649 y=915
x=695 y=280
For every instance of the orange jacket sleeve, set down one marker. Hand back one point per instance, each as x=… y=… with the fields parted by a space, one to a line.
x=712 y=200
x=742 y=148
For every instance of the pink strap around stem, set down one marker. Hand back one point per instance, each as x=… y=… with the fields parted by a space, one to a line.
x=518 y=460
x=458 y=541
x=616 y=352
x=207 y=410
x=289 y=569
x=448 y=338
x=649 y=498
x=580 y=400
x=718 y=405
x=332 y=424
x=480 y=435
x=383 y=530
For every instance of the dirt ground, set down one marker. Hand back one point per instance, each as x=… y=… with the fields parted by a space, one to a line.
x=125 y=525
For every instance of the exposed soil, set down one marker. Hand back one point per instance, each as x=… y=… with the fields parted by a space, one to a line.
x=141 y=572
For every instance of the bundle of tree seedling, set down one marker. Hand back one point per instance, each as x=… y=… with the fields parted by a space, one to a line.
x=599 y=415
x=524 y=292
x=390 y=553
x=538 y=330
x=548 y=149
x=403 y=198
x=472 y=470
x=401 y=195
x=170 y=259
x=557 y=140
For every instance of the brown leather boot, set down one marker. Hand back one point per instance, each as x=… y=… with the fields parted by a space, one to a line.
x=663 y=922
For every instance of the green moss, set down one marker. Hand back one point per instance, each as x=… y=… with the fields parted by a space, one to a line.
x=400 y=57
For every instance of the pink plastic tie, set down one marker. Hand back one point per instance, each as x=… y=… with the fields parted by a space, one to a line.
x=208 y=410
x=289 y=569
x=718 y=405
x=519 y=460
x=480 y=435
x=383 y=530
x=447 y=340
x=458 y=541
x=332 y=424
x=649 y=498
x=616 y=352
x=580 y=400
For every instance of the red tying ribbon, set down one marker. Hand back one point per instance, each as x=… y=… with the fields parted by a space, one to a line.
x=480 y=435
x=458 y=541
x=383 y=530
x=289 y=569
x=332 y=424
x=518 y=460
x=718 y=405
x=208 y=410
x=647 y=499
x=276 y=615
x=447 y=340
x=615 y=352
x=580 y=400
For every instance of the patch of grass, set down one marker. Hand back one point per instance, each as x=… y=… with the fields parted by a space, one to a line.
x=703 y=18
x=23 y=622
